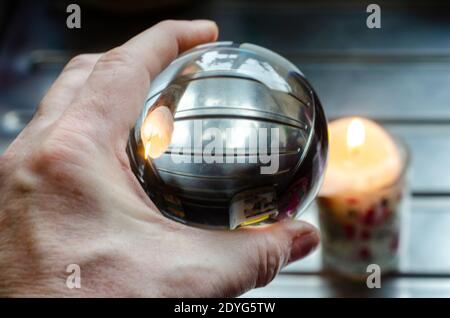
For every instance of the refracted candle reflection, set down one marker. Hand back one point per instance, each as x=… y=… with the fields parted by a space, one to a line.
x=156 y=132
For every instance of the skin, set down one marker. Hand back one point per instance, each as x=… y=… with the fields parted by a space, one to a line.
x=68 y=196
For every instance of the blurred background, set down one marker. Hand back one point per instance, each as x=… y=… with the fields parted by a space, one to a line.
x=398 y=75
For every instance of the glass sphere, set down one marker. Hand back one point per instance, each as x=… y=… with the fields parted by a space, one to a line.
x=230 y=135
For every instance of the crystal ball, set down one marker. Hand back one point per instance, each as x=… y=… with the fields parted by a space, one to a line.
x=230 y=135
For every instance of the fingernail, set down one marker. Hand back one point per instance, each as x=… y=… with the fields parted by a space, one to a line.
x=303 y=245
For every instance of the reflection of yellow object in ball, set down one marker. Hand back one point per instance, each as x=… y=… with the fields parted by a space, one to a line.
x=156 y=131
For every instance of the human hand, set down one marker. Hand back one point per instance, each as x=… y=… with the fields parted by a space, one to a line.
x=68 y=196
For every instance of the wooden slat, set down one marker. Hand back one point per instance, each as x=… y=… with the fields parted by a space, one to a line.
x=424 y=248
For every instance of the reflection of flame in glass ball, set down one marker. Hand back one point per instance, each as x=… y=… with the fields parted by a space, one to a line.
x=232 y=93
x=156 y=132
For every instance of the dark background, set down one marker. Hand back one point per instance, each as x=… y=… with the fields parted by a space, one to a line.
x=398 y=75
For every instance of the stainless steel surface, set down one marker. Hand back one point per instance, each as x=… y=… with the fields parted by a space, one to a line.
x=429 y=145
x=318 y=27
x=307 y=286
x=424 y=268
x=409 y=89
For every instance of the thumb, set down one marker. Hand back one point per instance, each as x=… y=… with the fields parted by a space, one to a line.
x=257 y=254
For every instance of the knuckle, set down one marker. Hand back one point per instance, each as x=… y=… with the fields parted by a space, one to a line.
x=57 y=156
x=167 y=24
x=52 y=152
x=50 y=156
x=82 y=61
x=168 y=28
x=117 y=57
x=42 y=169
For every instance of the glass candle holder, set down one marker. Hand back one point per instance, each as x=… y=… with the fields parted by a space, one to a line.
x=230 y=135
x=364 y=228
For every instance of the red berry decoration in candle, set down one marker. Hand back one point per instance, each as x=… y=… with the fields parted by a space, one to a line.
x=364 y=254
x=352 y=201
x=365 y=235
x=386 y=212
x=369 y=217
x=349 y=231
x=352 y=214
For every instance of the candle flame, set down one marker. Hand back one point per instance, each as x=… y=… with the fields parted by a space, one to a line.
x=356 y=134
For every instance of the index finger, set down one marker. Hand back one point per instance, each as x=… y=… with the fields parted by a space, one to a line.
x=116 y=89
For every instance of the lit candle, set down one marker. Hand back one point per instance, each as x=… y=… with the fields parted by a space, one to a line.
x=359 y=199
